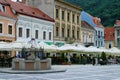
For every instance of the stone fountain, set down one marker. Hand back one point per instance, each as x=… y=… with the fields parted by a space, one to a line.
x=32 y=58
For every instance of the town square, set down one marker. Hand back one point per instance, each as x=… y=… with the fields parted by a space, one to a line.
x=74 y=72
x=59 y=40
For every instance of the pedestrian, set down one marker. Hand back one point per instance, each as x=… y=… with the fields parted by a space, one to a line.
x=93 y=60
x=2 y=61
x=68 y=58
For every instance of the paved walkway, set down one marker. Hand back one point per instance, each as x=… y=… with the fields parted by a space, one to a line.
x=74 y=72
x=10 y=71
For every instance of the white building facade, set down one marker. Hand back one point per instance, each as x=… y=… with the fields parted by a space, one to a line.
x=32 y=23
x=29 y=27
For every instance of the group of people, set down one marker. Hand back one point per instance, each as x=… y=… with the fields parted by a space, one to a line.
x=85 y=59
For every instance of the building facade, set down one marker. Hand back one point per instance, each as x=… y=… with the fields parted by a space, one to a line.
x=32 y=23
x=7 y=23
x=87 y=33
x=99 y=32
x=67 y=22
x=98 y=28
x=7 y=27
x=67 y=19
x=109 y=37
x=117 y=33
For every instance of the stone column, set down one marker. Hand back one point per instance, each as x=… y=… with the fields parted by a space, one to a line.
x=60 y=27
x=75 y=33
x=48 y=63
x=22 y=64
x=13 y=63
x=65 y=23
x=71 y=24
x=37 y=64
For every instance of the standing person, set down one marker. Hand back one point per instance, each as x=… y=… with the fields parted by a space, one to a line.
x=2 y=61
x=96 y=61
x=93 y=60
x=68 y=58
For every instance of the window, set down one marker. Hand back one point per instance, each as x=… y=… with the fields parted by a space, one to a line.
x=118 y=42
x=62 y=32
x=27 y=33
x=77 y=34
x=50 y=35
x=19 y=0
x=44 y=35
x=73 y=18
x=68 y=32
x=2 y=8
x=77 y=19
x=101 y=33
x=83 y=38
x=57 y=31
x=9 y=29
x=117 y=32
x=36 y=34
x=20 y=32
x=57 y=13
x=96 y=33
x=101 y=43
x=1 y=28
x=63 y=13
x=73 y=34
x=68 y=17
x=96 y=43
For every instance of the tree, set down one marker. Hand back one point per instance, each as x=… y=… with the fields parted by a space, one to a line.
x=103 y=56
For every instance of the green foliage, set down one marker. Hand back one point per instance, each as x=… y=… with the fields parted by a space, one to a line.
x=103 y=56
x=107 y=10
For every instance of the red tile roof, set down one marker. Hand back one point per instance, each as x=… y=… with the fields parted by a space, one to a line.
x=109 y=33
x=3 y=2
x=24 y=9
x=8 y=12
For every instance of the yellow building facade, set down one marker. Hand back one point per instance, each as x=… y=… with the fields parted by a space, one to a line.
x=109 y=44
x=109 y=37
x=67 y=22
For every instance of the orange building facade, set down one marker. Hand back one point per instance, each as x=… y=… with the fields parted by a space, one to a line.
x=7 y=27
x=7 y=23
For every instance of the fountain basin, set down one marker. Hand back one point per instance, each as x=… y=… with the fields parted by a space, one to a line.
x=35 y=64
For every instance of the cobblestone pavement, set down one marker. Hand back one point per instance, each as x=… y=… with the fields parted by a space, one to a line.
x=74 y=72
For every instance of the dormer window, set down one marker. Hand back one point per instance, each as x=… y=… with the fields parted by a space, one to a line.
x=19 y=0
x=2 y=8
